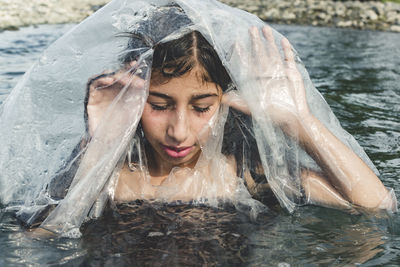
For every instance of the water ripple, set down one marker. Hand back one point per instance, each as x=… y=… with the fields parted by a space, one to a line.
x=356 y=71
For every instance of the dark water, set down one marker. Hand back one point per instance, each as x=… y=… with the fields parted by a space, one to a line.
x=357 y=72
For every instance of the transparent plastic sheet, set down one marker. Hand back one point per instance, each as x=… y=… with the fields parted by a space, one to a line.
x=42 y=120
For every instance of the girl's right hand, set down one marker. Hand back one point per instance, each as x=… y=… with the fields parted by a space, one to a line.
x=103 y=90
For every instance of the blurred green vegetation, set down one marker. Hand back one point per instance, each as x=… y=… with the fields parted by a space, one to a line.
x=395 y=1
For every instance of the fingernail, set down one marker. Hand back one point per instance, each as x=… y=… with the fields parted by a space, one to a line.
x=285 y=41
x=254 y=30
x=267 y=29
x=109 y=79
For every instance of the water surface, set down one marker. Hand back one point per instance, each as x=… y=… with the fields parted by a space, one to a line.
x=356 y=71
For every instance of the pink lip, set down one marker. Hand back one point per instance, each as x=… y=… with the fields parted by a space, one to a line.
x=177 y=152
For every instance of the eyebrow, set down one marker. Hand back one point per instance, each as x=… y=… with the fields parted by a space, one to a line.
x=160 y=95
x=201 y=96
x=195 y=97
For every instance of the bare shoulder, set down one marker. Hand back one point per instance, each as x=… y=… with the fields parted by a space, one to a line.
x=128 y=185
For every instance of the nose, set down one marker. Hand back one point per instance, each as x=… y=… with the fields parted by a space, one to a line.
x=178 y=128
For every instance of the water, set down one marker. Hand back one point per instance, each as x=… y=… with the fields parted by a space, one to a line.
x=357 y=72
x=19 y=49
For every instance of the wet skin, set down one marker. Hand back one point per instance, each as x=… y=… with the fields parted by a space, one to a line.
x=173 y=118
x=176 y=111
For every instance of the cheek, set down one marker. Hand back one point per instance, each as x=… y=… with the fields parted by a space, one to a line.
x=153 y=122
x=199 y=123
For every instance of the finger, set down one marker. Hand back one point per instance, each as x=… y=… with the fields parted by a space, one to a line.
x=139 y=82
x=108 y=78
x=256 y=43
x=233 y=100
x=100 y=81
x=107 y=86
x=128 y=79
x=128 y=87
x=294 y=76
x=103 y=88
x=269 y=36
x=291 y=69
x=132 y=77
x=288 y=53
x=131 y=66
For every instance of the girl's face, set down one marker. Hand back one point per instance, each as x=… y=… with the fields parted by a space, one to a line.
x=173 y=117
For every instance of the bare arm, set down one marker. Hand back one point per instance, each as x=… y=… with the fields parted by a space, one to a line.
x=346 y=178
x=318 y=190
x=343 y=169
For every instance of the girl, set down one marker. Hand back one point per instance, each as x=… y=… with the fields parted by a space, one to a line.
x=187 y=87
x=181 y=122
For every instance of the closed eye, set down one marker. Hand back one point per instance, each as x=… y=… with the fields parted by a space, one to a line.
x=201 y=109
x=159 y=107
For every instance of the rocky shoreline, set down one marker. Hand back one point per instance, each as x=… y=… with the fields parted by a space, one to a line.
x=372 y=15
x=19 y=13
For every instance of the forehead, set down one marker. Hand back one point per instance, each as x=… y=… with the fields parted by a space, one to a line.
x=188 y=84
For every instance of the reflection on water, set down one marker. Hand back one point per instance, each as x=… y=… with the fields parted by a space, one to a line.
x=358 y=74
x=141 y=233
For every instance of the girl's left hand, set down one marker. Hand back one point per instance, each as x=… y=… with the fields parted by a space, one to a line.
x=283 y=88
x=275 y=81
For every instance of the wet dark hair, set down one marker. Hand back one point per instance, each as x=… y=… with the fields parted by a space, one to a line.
x=177 y=57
